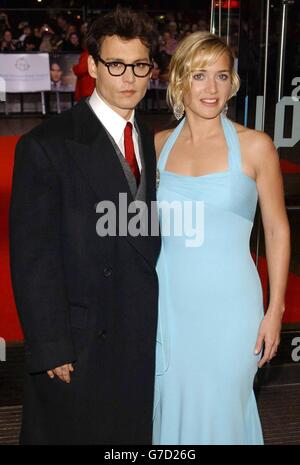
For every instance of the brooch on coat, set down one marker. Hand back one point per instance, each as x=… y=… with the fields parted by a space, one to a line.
x=157 y=178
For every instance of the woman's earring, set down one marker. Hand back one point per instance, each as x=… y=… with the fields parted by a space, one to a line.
x=225 y=109
x=178 y=110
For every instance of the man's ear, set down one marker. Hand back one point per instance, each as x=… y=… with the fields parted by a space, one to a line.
x=92 y=67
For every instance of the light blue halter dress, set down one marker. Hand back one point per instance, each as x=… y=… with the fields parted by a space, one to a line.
x=210 y=307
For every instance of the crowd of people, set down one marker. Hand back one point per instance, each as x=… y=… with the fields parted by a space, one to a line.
x=60 y=34
x=66 y=33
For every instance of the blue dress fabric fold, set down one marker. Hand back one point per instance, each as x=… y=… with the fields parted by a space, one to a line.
x=210 y=305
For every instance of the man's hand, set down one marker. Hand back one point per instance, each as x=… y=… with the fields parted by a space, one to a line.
x=63 y=372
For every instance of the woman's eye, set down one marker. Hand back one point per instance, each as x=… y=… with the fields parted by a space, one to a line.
x=198 y=76
x=223 y=77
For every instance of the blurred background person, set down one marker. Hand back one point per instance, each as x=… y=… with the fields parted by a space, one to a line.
x=26 y=32
x=7 y=43
x=72 y=44
x=85 y=84
x=31 y=44
x=4 y=23
x=46 y=44
x=62 y=25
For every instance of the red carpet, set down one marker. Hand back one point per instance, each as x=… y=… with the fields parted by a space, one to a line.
x=9 y=324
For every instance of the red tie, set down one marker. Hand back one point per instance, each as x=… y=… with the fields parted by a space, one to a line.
x=129 y=152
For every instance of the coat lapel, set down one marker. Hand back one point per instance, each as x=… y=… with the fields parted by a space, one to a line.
x=95 y=156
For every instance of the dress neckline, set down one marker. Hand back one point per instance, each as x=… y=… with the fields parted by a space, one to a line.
x=176 y=133
x=233 y=153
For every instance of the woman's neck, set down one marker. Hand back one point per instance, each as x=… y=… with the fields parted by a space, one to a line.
x=197 y=128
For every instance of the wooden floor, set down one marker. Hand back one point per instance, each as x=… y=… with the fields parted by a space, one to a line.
x=279 y=408
x=10 y=420
x=14 y=126
x=278 y=404
x=17 y=126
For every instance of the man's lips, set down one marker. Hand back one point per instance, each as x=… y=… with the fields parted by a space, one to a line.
x=127 y=92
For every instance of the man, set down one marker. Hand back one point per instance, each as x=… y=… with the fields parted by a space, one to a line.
x=56 y=79
x=88 y=303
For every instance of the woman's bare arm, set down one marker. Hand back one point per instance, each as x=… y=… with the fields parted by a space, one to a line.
x=277 y=238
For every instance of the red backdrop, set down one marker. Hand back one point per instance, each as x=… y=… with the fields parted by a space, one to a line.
x=9 y=323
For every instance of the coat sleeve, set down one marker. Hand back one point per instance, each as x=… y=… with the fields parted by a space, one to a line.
x=36 y=259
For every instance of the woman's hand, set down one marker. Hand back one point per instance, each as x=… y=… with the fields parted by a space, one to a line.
x=269 y=335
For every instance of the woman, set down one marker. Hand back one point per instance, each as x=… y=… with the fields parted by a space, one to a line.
x=7 y=43
x=85 y=84
x=212 y=328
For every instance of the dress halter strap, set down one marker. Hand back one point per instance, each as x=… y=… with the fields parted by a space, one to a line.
x=233 y=144
x=168 y=146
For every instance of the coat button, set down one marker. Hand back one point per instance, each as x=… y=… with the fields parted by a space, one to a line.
x=107 y=272
x=102 y=334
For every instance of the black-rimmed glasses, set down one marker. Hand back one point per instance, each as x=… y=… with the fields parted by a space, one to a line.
x=117 y=68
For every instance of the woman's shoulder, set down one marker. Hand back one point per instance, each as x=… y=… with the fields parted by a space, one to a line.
x=252 y=137
x=160 y=139
x=257 y=146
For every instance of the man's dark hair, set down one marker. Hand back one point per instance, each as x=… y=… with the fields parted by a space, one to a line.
x=122 y=22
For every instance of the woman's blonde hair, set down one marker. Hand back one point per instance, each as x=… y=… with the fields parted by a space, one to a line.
x=194 y=52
